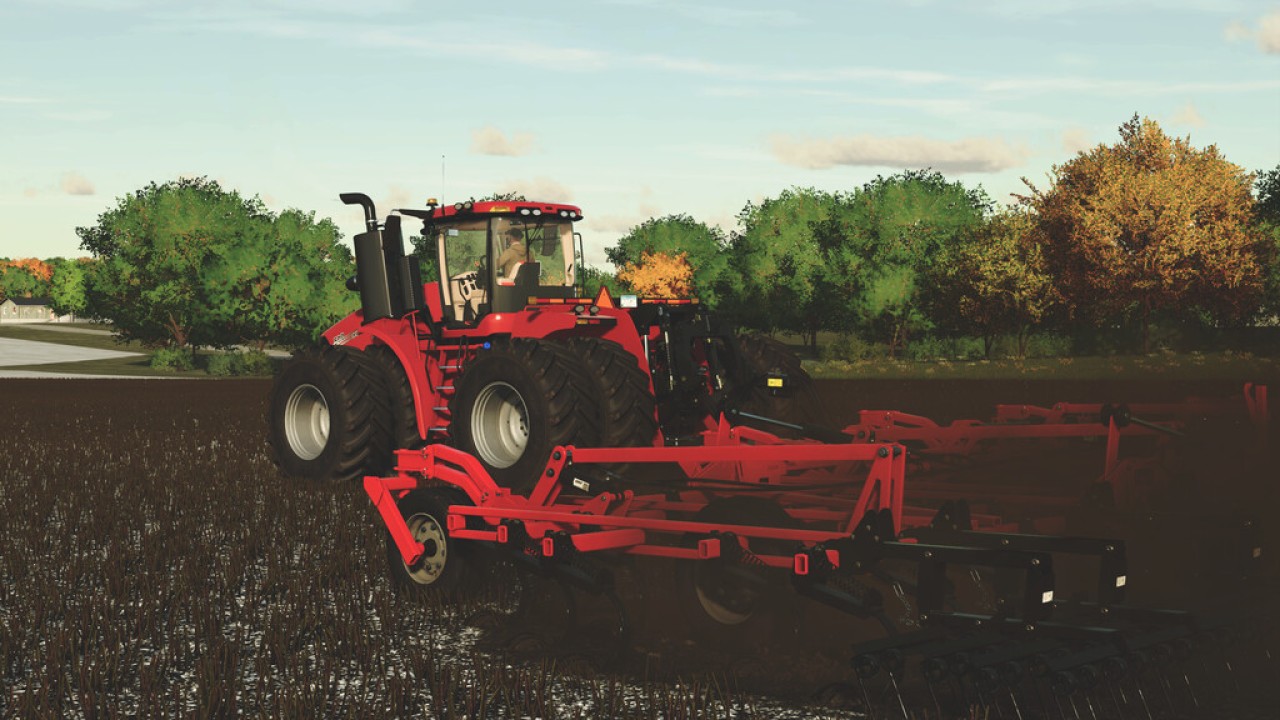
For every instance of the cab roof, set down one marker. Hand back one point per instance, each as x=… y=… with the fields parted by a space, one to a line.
x=519 y=208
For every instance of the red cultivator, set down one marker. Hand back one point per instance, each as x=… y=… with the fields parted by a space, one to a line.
x=496 y=414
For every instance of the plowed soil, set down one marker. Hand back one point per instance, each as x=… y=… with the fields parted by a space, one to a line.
x=153 y=563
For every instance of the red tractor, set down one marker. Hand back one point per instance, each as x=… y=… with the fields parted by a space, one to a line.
x=500 y=356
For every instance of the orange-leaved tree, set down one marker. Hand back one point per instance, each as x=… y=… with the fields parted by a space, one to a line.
x=660 y=275
x=1150 y=226
x=24 y=277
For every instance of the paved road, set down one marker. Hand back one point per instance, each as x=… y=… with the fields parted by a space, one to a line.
x=29 y=352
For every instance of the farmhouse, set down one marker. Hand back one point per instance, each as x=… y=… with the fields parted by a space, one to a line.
x=28 y=310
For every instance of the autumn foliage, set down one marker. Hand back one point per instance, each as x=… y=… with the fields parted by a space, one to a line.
x=38 y=269
x=1150 y=225
x=659 y=275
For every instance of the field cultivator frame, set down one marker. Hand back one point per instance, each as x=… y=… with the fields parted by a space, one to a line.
x=846 y=519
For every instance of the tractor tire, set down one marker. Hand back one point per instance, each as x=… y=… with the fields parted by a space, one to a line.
x=516 y=402
x=738 y=606
x=445 y=564
x=761 y=356
x=627 y=407
x=328 y=420
x=404 y=411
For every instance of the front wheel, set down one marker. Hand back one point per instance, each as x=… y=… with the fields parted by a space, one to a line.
x=517 y=401
x=328 y=416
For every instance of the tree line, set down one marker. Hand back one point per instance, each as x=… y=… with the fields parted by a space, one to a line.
x=1148 y=229
x=1145 y=230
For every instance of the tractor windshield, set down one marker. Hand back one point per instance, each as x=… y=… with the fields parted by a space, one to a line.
x=549 y=243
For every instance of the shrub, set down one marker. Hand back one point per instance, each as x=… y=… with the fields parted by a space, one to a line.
x=851 y=348
x=942 y=348
x=252 y=362
x=172 y=359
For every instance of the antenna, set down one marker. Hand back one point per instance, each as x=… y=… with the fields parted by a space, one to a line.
x=442 y=195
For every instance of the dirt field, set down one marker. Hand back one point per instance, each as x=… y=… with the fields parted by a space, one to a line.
x=153 y=564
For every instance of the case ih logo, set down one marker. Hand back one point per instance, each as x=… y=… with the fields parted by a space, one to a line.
x=345 y=338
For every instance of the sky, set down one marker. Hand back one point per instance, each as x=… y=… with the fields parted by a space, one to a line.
x=630 y=109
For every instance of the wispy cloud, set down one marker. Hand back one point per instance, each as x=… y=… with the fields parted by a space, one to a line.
x=76 y=184
x=740 y=71
x=958 y=156
x=19 y=100
x=1267 y=33
x=490 y=140
x=539 y=189
x=1120 y=87
x=721 y=15
x=1075 y=139
x=1189 y=115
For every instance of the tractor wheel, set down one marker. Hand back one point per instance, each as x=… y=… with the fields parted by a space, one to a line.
x=444 y=565
x=404 y=411
x=627 y=407
x=762 y=356
x=517 y=401
x=328 y=416
x=737 y=604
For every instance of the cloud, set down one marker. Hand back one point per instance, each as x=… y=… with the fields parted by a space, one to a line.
x=540 y=189
x=1188 y=115
x=958 y=156
x=18 y=100
x=76 y=184
x=1075 y=139
x=490 y=140
x=1267 y=34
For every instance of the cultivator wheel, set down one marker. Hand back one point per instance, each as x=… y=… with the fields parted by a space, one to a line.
x=733 y=601
x=443 y=565
x=328 y=416
x=517 y=401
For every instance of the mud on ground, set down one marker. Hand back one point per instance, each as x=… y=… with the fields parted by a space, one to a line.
x=155 y=564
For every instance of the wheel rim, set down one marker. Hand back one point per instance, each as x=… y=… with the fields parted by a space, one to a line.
x=306 y=422
x=727 y=599
x=435 y=548
x=500 y=425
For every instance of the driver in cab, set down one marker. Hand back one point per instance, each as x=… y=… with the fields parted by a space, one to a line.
x=513 y=255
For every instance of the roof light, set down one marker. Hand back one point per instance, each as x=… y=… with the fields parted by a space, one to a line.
x=432 y=201
x=595 y=310
x=457 y=206
x=536 y=211
x=524 y=211
x=564 y=213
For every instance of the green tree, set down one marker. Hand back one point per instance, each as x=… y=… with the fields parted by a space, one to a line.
x=156 y=246
x=187 y=263
x=1149 y=227
x=992 y=281
x=702 y=245
x=284 y=284
x=884 y=239
x=1266 y=212
x=593 y=278
x=67 y=288
x=773 y=276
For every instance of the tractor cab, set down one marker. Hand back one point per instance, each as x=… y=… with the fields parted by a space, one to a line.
x=494 y=256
